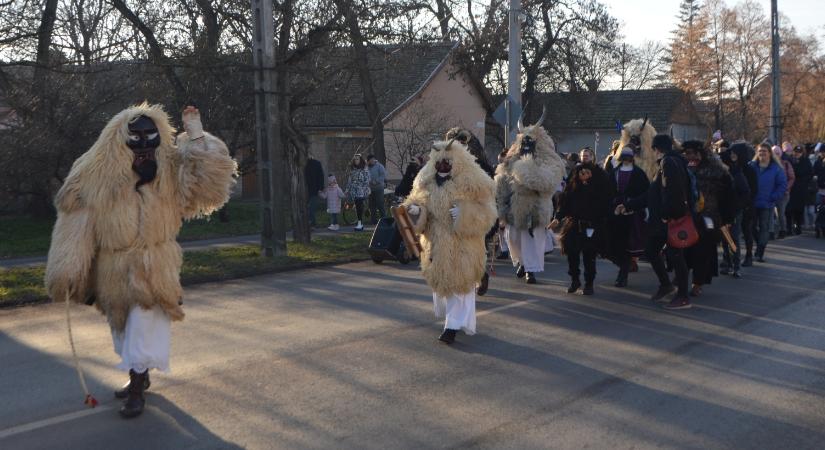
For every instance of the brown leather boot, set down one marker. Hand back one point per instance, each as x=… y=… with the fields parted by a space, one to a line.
x=124 y=391
x=133 y=406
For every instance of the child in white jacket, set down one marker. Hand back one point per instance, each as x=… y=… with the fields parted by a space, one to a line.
x=333 y=194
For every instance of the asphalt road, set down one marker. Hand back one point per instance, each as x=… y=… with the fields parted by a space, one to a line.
x=346 y=357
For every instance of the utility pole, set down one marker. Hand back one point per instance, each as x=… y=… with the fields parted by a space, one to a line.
x=776 y=123
x=268 y=138
x=513 y=73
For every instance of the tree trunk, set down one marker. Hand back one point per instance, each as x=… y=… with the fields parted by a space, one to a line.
x=362 y=66
x=210 y=22
x=44 y=42
x=442 y=13
x=295 y=150
x=155 y=51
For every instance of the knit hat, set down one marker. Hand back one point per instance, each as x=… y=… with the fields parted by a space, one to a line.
x=627 y=151
x=663 y=143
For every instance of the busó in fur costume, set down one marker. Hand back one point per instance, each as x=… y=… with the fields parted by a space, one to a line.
x=452 y=205
x=526 y=180
x=638 y=135
x=114 y=242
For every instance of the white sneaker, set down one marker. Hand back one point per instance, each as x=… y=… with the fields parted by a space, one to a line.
x=332 y=228
x=359 y=227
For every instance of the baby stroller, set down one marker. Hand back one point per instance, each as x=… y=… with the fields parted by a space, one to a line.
x=387 y=243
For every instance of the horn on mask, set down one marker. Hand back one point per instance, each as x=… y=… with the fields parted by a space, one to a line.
x=520 y=122
x=644 y=122
x=543 y=115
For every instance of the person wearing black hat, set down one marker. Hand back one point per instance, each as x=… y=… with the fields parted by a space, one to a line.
x=668 y=198
x=626 y=238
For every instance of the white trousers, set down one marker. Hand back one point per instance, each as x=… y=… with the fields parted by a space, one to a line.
x=526 y=250
x=459 y=311
x=144 y=343
x=549 y=243
x=502 y=241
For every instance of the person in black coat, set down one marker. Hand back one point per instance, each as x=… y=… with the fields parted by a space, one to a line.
x=803 y=170
x=315 y=183
x=744 y=186
x=584 y=206
x=405 y=186
x=666 y=199
x=717 y=209
x=626 y=232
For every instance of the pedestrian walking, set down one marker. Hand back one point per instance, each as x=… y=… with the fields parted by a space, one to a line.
x=803 y=173
x=583 y=209
x=771 y=188
x=314 y=179
x=358 y=187
x=626 y=232
x=744 y=186
x=333 y=194
x=779 y=223
x=717 y=210
x=378 y=175
x=668 y=198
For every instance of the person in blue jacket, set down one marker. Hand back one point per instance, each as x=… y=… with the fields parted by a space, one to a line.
x=770 y=188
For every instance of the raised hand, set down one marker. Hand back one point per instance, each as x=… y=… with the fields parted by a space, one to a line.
x=192 y=122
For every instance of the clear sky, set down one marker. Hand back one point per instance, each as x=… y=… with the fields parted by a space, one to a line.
x=654 y=19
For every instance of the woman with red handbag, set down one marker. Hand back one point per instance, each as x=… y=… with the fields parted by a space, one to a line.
x=667 y=200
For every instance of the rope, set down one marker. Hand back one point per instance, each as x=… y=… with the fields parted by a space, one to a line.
x=89 y=399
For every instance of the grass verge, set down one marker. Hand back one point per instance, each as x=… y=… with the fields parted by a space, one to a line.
x=28 y=236
x=24 y=285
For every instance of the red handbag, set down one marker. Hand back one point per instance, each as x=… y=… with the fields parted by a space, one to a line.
x=681 y=232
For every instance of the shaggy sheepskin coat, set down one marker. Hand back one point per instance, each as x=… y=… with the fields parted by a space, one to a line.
x=525 y=184
x=453 y=255
x=117 y=243
x=646 y=159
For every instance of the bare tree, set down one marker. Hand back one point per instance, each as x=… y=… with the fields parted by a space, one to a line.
x=748 y=56
x=415 y=130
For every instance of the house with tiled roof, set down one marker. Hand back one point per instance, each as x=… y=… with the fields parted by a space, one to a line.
x=574 y=118
x=420 y=94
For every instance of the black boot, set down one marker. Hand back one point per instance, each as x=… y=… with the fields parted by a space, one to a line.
x=588 y=288
x=575 y=284
x=124 y=391
x=531 y=278
x=520 y=271
x=621 y=279
x=483 y=285
x=748 y=262
x=760 y=254
x=448 y=336
x=135 y=402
